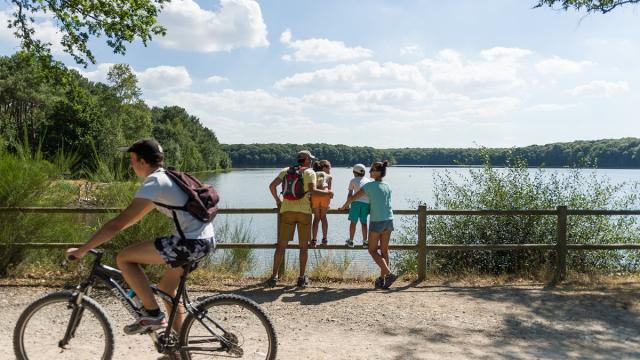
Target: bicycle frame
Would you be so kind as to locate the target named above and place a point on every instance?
(113, 278)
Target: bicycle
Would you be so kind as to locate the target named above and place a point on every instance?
(62, 325)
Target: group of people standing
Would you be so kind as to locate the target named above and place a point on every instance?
(307, 190)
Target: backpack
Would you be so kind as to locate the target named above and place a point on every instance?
(320, 179)
(293, 183)
(202, 199)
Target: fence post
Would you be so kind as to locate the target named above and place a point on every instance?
(422, 242)
(283, 264)
(561, 244)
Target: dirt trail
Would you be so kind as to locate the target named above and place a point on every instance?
(352, 321)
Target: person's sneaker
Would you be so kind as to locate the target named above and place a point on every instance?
(388, 280)
(349, 243)
(271, 282)
(365, 244)
(302, 282)
(379, 283)
(146, 323)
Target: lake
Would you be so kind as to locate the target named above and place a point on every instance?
(249, 188)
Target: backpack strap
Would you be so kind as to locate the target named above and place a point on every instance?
(175, 216)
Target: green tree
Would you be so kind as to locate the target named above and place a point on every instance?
(591, 6)
(119, 21)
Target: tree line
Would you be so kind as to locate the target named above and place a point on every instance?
(607, 153)
(50, 109)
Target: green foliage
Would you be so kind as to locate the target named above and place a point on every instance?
(591, 6)
(275, 155)
(517, 187)
(27, 180)
(188, 145)
(608, 153)
(55, 109)
(119, 21)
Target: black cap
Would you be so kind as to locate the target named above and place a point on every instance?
(148, 149)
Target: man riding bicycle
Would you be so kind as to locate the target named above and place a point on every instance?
(146, 158)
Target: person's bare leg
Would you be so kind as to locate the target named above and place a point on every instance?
(316, 221)
(278, 257)
(128, 261)
(325, 222)
(365, 231)
(373, 251)
(169, 284)
(352, 230)
(384, 246)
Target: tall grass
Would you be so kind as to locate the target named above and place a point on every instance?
(517, 187)
(28, 180)
(236, 261)
(329, 267)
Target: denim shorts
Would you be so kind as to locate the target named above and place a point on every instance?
(176, 251)
(381, 226)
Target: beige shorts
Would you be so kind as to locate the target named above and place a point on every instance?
(289, 221)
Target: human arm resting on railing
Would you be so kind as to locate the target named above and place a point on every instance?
(351, 198)
(129, 216)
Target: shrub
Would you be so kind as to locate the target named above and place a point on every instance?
(517, 187)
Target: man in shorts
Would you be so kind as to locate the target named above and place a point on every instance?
(146, 159)
(295, 214)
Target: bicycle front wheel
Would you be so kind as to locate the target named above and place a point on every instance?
(228, 326)
(54, 327)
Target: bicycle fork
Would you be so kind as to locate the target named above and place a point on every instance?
(76, 315)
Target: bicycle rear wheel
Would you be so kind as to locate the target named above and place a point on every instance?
(42, 328)
(228, 326)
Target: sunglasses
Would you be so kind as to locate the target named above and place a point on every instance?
(372, 170)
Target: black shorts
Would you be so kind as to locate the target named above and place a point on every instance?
(176, 251)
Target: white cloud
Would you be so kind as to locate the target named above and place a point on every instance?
(321, 50)
(559, 66)
(483, 108)
(412, 50)
(97, 75)
(497, 70)
(238, 23)
(236, 116)
(550, 107)
(369, 74)
(385, 102)
(216, 79)
(151, 80)
(164, 78)
(600, 88)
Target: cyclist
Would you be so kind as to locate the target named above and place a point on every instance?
(146, 158)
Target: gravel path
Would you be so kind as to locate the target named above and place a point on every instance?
(352, 321)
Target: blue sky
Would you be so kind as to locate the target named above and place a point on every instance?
(388, 73)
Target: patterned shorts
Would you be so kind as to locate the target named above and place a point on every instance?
(176, 251)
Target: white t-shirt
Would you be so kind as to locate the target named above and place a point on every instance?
(158, 187)
(356, 184)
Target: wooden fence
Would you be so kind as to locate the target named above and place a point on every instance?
(561, 247)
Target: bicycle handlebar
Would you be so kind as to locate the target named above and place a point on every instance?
(96, 253)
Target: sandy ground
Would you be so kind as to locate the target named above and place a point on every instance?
(425, 321)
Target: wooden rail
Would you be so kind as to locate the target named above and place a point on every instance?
(561, 246)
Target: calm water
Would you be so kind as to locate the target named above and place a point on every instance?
(249, 189)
